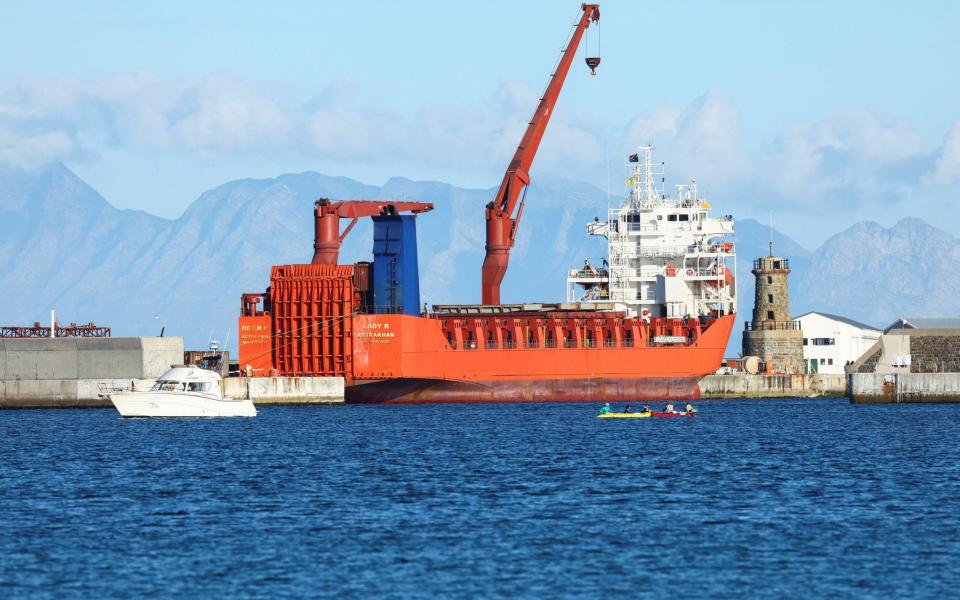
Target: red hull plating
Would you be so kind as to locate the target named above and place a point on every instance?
(403, 359)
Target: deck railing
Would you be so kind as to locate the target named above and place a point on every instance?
(771, 325)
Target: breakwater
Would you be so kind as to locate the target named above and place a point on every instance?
(89, 393)
(905, 388)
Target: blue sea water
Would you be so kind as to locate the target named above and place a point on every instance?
(760, 499)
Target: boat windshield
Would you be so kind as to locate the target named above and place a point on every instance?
(163, 385)
(180, 386)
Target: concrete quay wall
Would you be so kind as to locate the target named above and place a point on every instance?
(285, 390)
(62, 393)
(744, 385)
(86, 393)
(915, 388)
(41, 359)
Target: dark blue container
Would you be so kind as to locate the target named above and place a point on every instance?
(396, 278)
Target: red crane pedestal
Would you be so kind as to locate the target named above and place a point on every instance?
(501, 224)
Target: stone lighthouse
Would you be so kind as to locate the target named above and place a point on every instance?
(773, 335)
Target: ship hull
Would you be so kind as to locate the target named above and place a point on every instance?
(430, 391)
(415, 373)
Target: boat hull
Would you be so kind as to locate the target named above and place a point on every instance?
(410, 362)
(640, 415)
(165, 404)
(666, 415)
(428, 391)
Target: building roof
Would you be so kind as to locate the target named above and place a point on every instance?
(856, 324)
(919, 323)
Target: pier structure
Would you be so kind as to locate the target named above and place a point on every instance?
(773, 335)
(914, 361)
(78, 372)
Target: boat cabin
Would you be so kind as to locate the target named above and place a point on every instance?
(184, 379)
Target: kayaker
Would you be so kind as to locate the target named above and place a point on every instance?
(605, 409)
(628, 409)
(690, 409)
(669, 409)
(645, 408)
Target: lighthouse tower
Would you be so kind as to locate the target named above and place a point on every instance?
(773, 335)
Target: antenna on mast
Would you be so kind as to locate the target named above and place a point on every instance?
(771, 233)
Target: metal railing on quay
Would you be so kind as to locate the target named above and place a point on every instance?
(771, 325)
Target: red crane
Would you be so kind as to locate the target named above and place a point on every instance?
(501, 224)
(327, 214)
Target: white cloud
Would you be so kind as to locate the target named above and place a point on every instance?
(946, 168)
(28, 151)
(702, 140)
(222, 115)
(852, 150)
(854, 153)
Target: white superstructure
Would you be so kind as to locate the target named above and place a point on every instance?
(182, 392)
(666, 257)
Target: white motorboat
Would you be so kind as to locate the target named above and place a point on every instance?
(182, 392)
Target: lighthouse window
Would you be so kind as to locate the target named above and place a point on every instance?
(769, 315)
(770, 298)
(769, 279)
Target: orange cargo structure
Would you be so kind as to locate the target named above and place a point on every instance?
(256, 333)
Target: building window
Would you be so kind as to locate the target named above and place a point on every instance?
(769, 315)
(770, 298)
(804, 341)
(822, 361)
(824, 341)
(769, 279)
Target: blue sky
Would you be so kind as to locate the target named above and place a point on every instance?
(824, 112)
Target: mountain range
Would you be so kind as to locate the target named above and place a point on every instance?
(63, 245)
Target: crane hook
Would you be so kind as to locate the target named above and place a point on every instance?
(593, 62)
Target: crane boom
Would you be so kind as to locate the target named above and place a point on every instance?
(501, 222)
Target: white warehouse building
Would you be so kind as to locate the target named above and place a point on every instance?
(830, 342)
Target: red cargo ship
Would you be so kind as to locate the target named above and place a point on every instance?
(647, 325)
